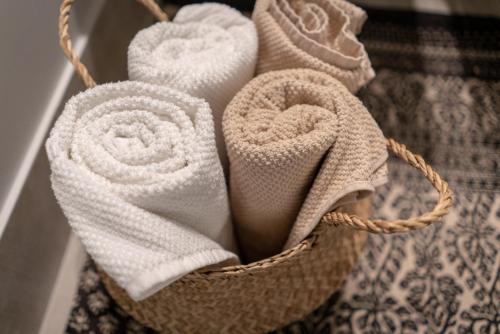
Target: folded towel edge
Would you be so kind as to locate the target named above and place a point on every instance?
(150, 282)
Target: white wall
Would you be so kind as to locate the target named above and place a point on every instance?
(35, 288)
(35, 80)
(32, 68)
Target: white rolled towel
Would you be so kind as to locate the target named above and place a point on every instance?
(209, 51)
(136, 172)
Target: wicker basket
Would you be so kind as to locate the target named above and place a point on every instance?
(271, 293)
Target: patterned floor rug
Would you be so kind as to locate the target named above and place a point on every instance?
(437, 89)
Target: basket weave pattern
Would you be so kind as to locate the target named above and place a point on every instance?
(257, 299)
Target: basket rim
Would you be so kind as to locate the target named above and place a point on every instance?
(305, 245)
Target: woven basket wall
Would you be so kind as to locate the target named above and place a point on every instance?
(255, 298)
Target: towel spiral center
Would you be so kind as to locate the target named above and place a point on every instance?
(321, 28)
(192, 45)
(288, 109)
(130, 139)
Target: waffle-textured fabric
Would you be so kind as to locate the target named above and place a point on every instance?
(299, 145)
(136, 172)
(208, 51)
(315, 34)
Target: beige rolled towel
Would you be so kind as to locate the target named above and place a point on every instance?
(299, 144)
(315, 34)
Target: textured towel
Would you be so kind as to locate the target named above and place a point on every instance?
(136, 172)
(315, 34)
(299, 145)
(208, 51)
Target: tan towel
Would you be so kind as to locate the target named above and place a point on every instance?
(299, 144)
(315, 34)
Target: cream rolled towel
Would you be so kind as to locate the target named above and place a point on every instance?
(299, 144)
(135, 170)
(315, 34)
(208, 51)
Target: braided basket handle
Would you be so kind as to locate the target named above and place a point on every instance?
(442, 207)
(65, 39)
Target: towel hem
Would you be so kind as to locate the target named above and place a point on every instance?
(148, 283)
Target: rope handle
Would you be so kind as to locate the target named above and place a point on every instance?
(65, 38)
(441, 209)
(334, 218)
